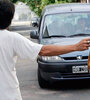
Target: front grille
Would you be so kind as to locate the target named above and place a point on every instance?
(75, 58)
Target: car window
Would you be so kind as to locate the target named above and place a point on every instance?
(66, 24)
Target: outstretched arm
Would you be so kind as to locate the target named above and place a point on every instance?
(53, 50)
(25, 48)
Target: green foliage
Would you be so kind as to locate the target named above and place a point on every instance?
(35, 6)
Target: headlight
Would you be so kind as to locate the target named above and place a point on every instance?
(52, 58)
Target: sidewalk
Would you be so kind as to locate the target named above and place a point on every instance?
(18, 23)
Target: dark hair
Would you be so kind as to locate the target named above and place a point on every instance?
(7, 10)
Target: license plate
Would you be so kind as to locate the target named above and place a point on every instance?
(80, 69)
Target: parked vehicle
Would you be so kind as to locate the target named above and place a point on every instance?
(63, 24)
(35, 21)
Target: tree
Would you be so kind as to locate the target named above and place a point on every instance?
(35, 6)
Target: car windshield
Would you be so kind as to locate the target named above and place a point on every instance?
(69, 24)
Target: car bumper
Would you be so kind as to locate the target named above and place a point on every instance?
(61, 71)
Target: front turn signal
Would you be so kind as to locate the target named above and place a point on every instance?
(89, 62)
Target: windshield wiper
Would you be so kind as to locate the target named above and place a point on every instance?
(79, 34)
(54, 36)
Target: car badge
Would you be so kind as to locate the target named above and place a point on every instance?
(79, 57)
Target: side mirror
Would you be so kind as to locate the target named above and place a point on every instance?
(33, 35)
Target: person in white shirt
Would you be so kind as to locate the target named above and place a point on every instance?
(12, 45)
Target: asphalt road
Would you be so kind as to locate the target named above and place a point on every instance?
(27, 75)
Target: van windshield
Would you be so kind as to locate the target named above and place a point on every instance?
(66, 24)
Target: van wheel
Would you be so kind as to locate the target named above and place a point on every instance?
(42, 83)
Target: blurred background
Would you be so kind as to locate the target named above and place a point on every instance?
(27, 11)
(37, 5)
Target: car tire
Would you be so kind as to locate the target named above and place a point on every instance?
(42, 83)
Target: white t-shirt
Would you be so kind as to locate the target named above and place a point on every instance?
(12, 44)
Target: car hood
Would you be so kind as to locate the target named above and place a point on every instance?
(67, 41)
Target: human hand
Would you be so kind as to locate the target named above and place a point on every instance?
(83, 45)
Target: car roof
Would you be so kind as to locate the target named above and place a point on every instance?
(69, 7)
